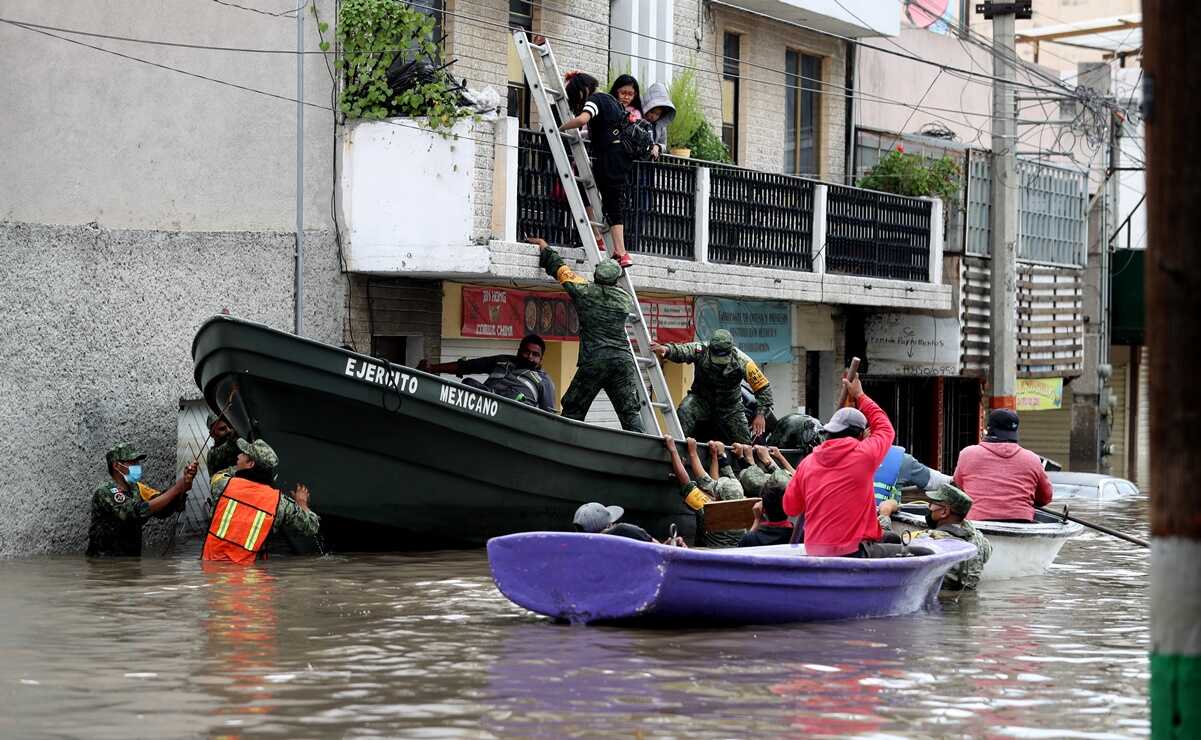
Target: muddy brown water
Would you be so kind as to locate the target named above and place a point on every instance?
(425, 646)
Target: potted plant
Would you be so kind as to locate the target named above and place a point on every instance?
(707, 145)
(909, 174)
(689, 116)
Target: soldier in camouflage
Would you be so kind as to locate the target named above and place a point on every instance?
(716, 393)
(797, 432)
(121, 505)
(258, 462)
(605, 361)
(224, 452)
(947, 518)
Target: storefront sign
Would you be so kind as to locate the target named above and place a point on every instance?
(1039, 394)
(761, 329)
(506, 313)
(912, 344)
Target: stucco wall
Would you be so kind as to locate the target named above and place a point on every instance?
(97, 348)
(93, 137)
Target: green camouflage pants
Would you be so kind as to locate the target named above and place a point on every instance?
(619, 379)
(730, 423)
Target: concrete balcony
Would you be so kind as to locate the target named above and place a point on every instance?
(854, 18)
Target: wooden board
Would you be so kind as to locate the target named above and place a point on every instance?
(736, 514)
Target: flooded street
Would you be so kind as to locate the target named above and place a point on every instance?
(424, 645)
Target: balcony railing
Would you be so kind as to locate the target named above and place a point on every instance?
(709, 212)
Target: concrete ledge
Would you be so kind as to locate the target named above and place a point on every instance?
(519, 261)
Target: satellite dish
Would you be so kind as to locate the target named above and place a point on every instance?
(925, 13)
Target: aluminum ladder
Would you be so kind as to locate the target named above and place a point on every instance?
(547, 89)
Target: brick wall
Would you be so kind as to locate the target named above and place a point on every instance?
(478, 39)
(761, 128)
(394, 306)
(578, 44)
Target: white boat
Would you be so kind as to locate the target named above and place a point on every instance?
(1018, 549)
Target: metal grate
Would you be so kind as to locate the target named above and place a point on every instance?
(760, 219)
(1052, 217)
(539, 211)
(662, 209)
(872, 234)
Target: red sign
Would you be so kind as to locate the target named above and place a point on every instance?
(506, 313)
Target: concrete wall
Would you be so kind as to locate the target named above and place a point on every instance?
(93, 137)
(97, 348)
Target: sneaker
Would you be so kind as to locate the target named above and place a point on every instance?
(626, 261)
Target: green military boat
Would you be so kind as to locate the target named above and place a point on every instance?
(400, 459)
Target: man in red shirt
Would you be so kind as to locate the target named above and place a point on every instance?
(1005, 480)
(832, 487)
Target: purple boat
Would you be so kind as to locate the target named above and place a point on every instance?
(585, 578)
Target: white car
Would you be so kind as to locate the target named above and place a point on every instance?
(1090, 486)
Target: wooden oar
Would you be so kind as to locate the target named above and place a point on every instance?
(1098, 527)
(851, 373)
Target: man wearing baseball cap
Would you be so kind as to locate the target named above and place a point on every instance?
(1005, 480)
(121, 505)
(832, 487)
(595, 518)
(949, 506)
(247, 507)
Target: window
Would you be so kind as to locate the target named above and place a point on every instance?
(640, 39)
(434, 8)
(731, 50)
(802, 98)
(521, 15)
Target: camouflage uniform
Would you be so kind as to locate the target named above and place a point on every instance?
(605, 361)
(716, 393)
(725, 488)
(289, 514)
(223, 456)
(119, 511)
(966, 574)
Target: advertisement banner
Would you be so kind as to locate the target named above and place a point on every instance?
(761, 329)
(507, 313)
(1039, 394)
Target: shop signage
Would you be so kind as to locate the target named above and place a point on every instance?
(912, 344)
(507, 313)
(1039, 394)
(761, 329)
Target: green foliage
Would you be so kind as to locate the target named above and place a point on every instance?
(707, 145)
(689, 115)
(909, 174)
(370, 33)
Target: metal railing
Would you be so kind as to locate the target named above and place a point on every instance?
(662, 214)
(541, 204)
(873, 234)
(760, 219)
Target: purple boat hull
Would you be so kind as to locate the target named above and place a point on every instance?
(584, 578)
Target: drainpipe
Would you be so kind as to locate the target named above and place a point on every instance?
(851, 156)
(299, 290)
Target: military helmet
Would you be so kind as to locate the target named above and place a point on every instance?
(260, 452)
(721, 347)
(607, 272)
(958, 501)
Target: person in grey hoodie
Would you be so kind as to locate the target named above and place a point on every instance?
(659, 111)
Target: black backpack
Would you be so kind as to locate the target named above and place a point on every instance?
(636, 137)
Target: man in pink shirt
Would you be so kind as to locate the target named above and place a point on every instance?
(1005, 480)
(832, 487)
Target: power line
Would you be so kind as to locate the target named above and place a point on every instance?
(282, 14)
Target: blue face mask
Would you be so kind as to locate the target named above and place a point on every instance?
(134, 475)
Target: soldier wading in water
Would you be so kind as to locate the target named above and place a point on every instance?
(605, 360)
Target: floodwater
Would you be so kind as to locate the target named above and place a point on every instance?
(424, 646)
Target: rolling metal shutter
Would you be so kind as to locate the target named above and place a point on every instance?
(1142, 447)
(1048, 433)
(1118, 420)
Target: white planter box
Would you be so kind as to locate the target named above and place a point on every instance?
(407, 198)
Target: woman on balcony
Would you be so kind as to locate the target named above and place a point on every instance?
(603, 115)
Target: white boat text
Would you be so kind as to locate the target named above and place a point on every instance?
(373, 373)
(468, 400)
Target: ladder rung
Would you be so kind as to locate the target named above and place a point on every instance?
(646, 360)
(600, 225)
(585, 181)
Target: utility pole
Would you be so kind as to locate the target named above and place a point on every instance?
(1002, 376)
(1172, 56)
(298, 305)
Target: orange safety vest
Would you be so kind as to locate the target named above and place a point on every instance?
(243, 518)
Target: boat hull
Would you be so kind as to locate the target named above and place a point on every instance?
(582, 578)
(1018, 550)
(399, 459)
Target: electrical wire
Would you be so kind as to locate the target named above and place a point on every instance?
(282, 14)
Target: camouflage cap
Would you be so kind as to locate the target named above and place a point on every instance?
(721, 346)
(727, 489)
(260, 452)
(123, 452)
(210, 420)
(607, 272)
(958, 501)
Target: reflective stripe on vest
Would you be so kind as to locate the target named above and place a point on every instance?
(884, 482)
(241, 522)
